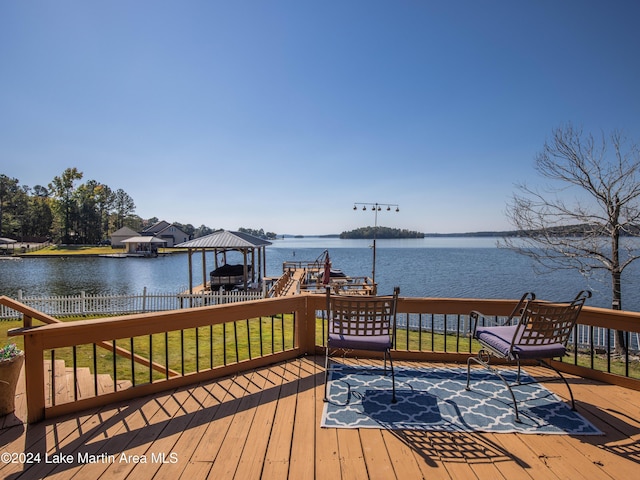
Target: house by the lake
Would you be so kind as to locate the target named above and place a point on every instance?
(119, 236)
(166, 231)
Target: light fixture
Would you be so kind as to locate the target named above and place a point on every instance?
(375, 207)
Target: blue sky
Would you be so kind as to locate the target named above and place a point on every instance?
(281, 114)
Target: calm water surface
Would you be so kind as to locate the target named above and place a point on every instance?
(433, 267)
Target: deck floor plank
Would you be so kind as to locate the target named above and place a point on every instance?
(482, 460)
(276, 464)
(553, 450)
(206, 451)
(610, 409)
(138, 433)
(326, 447)
(383, 463)
(237, 435)
(255, 448)
(302, 464)
(350, 450)
(63, 436)
(180, 413)
(118, 432)
(198, 409)
(419, 444)
(352, 464)
(515, 460)
(266, 424)
(210, 396)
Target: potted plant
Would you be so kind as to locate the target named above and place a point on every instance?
(11, 360)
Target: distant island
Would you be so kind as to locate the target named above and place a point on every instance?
(381, 232)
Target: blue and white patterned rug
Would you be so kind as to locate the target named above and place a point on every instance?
(436, 399)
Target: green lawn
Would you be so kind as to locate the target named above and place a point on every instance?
(217, 345)
(203, 347)
(70, 250)
(6, 325)
(74, 250)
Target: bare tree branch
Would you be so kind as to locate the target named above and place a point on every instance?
(585, 218)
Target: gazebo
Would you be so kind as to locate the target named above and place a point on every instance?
(224, 241)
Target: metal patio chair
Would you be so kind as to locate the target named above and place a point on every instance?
(361, 323)
(535, 330)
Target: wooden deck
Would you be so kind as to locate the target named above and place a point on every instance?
(265, 424)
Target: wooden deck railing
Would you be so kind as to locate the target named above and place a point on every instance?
(199, 344)
(278, 288)
(203, 343)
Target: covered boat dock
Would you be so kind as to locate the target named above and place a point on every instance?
(253, 250)
(143, 246)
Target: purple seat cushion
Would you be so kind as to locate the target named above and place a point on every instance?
(499, 339)
(378, 343)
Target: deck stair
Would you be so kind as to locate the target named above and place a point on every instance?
(84, 383)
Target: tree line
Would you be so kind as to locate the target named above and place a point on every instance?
(260, 233)
(66, 211)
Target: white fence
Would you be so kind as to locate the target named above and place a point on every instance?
(598, 337)
(86, 304)
(105, 305)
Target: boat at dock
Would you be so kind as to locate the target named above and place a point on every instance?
(229, 276)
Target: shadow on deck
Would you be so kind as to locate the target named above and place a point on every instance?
(265, 423)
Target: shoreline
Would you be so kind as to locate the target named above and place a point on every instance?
(87, 251)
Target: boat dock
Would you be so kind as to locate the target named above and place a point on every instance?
(301, 279)
(248, 276)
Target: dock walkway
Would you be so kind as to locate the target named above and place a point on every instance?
(295, 282)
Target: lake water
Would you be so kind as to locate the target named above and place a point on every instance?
(430, 267)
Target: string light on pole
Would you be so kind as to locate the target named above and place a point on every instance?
(376, 207)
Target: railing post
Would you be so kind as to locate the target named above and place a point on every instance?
(34, 377)
(144, 300)
(306, 326)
